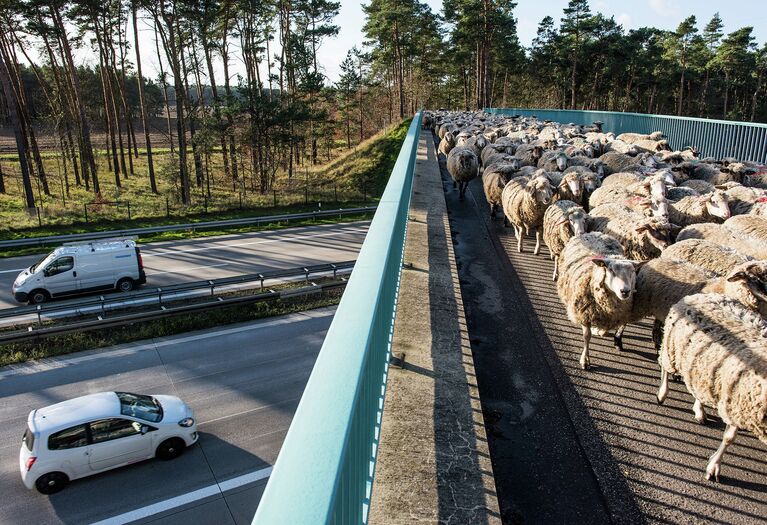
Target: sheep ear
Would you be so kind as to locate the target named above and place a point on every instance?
(721, 187)
(737, 276)
(599, 261)
(642, 228)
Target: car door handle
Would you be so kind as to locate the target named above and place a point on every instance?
(74, 274)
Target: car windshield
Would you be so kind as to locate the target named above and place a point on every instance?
(28, 439)
(41, 263)
(142, 407)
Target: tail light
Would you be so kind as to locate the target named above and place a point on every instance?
(30, 462)
(140, 260)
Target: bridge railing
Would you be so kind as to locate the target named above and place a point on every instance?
(324, 471)
(714, 138)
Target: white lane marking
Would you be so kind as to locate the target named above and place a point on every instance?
(188, 269)
(147, 253)
(32, 367)
(11, 271)
(189, 497)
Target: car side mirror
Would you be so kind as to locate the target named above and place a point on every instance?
(144, 429)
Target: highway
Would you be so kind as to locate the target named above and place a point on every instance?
(243, 382)
(224, 256)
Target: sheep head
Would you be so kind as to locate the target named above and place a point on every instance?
(561, 160)
(619, 276)
(658, 232)
(590, 181)
(656, 135)
(573, 182)
(539, 188)
(577, 219)
(747, 282)
(655, 185)
(716, 204)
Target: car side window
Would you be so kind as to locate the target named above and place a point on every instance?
(109, 429)
(69, 438)
(60, 265)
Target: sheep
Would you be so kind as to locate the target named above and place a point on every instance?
(568, 185)
(719, 348)
(720, 234)
(652, 206)
(524, 202)
(624, 148)
(631, 138)
(463, 166)
(596, 285)
(709, 173)
(656, 184)
(700, 186)
(703, 208)
(680, 192)
(607, 193)
(498, 158)
(709, 255)
(750, 225)
(553, 161)
(529, 154)
(759, 208)
(492, 149)
(742, 199)
(615, 162)
(494, 179)
(651, 146)
(562, 221)
(446, 144)
(642, 237)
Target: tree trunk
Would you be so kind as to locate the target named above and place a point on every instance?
(142, 104)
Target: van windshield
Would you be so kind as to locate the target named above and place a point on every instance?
(42, 263)
(142, 407)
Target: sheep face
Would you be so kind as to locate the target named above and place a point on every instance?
(750, 279)
(588, 150)
(577, 219)
(657, 231)
(619, 276)
(659, 207)
(656, 186)
(667, 175)
(537, 153)
(540, 189)
(717, 205)
(561, 161)
(590, 182)
(599, 169)
(573, 183)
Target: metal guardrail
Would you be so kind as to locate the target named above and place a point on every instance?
(58, 239)
(145, 296)
(325, 469)
(714, 138)
(120, 320)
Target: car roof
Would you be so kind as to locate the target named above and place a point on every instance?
(74, 411)
(95, 247)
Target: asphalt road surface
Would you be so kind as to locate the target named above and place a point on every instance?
(225, 256)
(574, 446)
(243, 382)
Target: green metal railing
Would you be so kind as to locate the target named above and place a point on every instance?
(714, 138)
(325, 469)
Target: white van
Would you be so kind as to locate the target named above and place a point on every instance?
(78, 268)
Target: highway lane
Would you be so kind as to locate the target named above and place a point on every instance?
(228, 255)
(243, 382)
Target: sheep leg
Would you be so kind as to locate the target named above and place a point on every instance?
(618, 338)
(663, 388)
(713, 467)
(505, 221)
(520, 236)
(584, 361)
(493, 209)
(657, 334)
(699, 411)
(537, 242)
(556, 267)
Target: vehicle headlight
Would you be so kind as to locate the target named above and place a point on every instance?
(186, 422)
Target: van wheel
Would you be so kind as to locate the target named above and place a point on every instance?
(124, 285)
(51, 483)
(38, 296)
(170, 449)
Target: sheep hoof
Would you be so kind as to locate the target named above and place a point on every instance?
(585, 364)
(618, 342)
(659, 400)
(701, 420)
(712, 470)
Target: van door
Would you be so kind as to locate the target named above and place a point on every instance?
(95, 272)
(116, 442)
(60, 276)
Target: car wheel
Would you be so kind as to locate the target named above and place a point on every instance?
(170, 449)
(38, 296)
(51, 483)
(124, 285)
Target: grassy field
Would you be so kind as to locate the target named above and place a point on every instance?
(354, 177)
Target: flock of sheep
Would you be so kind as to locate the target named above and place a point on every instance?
(637, 230)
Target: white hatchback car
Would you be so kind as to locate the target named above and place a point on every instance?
(98, 432)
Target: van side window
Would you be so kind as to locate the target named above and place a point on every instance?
(70, 438)
(109, 429)
(60, 265)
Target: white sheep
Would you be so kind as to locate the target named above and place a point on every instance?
(751, 225)
(596, 285)
(562, 221)
(632, 138)
(718, 233)
(713, 257)
(524, 202)
(719, 347)
(642, 237)
(702, 208)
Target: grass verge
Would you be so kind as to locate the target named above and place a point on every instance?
(75, 342)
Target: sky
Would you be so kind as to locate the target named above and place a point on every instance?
(663, 14)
